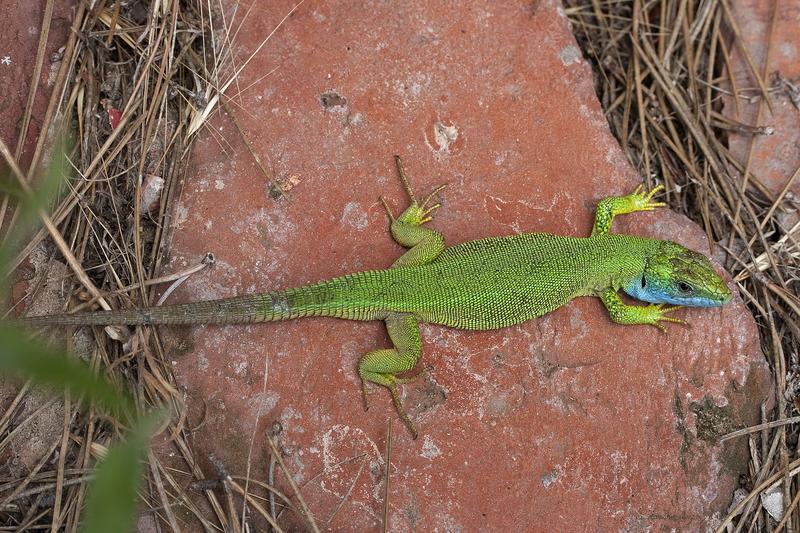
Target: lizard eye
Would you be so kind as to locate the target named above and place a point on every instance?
(684, 288)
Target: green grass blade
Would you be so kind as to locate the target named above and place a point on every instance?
(27, 359)
(112, 500)
(29, 205)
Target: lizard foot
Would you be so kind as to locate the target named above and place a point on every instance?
(390, 382)
(417, 213)
(657, 313)
(643, 201)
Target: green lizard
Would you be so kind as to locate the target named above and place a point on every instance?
(480, 285)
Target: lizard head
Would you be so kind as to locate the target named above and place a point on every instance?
(678, 276)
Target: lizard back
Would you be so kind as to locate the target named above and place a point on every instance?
(496, 282)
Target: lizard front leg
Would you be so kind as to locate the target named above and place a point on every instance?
(425, 244)
(382, 366)
(612, 206)
(652, 314)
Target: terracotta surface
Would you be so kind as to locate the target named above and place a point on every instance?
(567, 422)
(776, 157)
(22, 23)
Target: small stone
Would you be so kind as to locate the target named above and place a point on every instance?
(772, 501)
(151, 193)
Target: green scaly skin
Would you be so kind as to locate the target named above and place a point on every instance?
(480, 285)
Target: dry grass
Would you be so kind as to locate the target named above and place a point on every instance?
(662, 70)
(137, 81)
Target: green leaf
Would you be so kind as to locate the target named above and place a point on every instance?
(47, 187)
(30, 205)
(28, 359)
(111, 500)
(11, 187)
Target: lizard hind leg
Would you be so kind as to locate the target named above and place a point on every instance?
(382, 366)
(424, 243)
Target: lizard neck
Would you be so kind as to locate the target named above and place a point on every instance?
(618, 261)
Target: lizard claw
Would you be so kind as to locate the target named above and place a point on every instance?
(387, 208)
(430, 196)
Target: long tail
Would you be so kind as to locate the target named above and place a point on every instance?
(334, 297)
